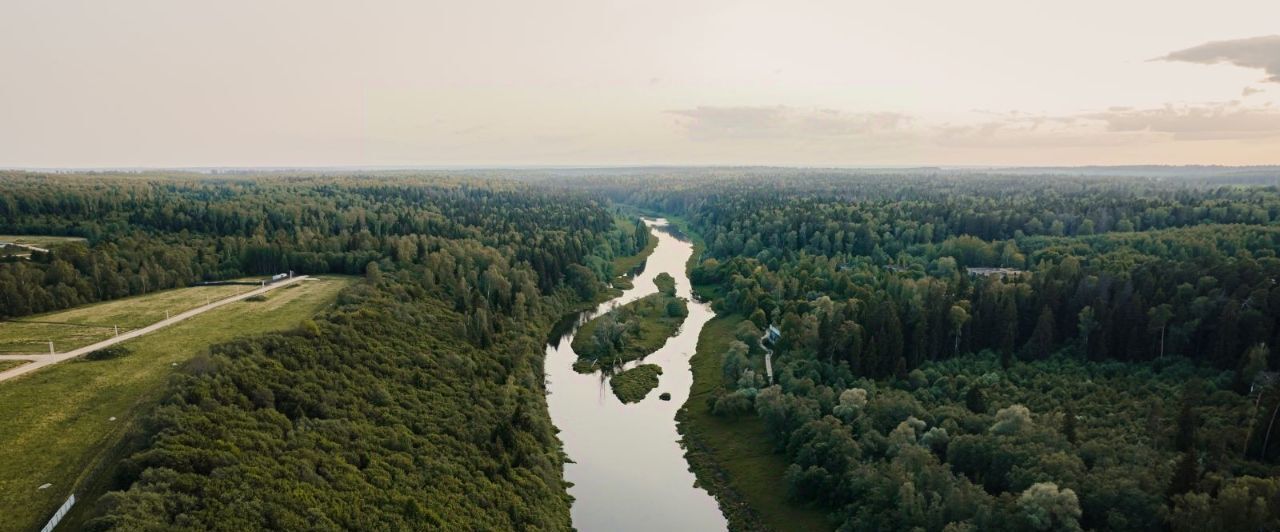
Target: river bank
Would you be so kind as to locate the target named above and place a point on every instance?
(733, 458)
(627, 467)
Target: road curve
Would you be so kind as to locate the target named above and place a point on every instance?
(40, 361)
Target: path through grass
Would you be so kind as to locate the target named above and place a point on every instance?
(81, 326)
(58, 427)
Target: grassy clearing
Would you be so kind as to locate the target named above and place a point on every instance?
(631, 332)
(631, 386)
(10, 364)
(733, 457)
(81, 326)
(40, 240)
(58, 429)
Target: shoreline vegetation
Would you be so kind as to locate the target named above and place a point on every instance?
(732, 457)
(629, 332)
(633, 385)
(622, 268)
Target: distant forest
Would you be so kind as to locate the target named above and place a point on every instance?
(997, 352)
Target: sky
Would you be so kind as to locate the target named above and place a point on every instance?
(179, 83)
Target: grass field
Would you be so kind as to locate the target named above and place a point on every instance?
(40, 240)
(734, 458)
(10, 364)
(58, 425)
(81, 326)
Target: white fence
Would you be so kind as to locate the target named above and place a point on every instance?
(62, 512)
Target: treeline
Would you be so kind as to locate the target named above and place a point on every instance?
(148, 233)
(1186, 276)
(1130, 323)
(1107, 301)
(417, 404)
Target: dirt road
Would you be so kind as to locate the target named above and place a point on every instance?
(40, 361)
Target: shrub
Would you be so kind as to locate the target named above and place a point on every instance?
(108, 353)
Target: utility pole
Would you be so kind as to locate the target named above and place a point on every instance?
(51, 347)
(166, 314)
(117, 330)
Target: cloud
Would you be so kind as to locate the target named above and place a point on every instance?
(1023, 130)
(782, 122)
(1255, 52)
(1205, 121)
(1115, 126)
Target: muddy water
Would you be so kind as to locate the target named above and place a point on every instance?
(628, 470)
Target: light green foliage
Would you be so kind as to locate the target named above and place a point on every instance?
(852, 401)
(1045, 507)
(1011, 420)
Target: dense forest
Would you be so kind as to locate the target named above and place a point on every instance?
(956, 352)
(148, 234)
(1000, 352)
(417, 403)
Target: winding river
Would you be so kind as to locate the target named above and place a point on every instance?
(627, 467)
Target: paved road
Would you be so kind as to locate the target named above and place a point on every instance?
(40, 361)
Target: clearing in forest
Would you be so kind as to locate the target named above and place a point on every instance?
(66, 424)
(81, 326)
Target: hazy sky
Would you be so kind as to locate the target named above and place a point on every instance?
(557, 82)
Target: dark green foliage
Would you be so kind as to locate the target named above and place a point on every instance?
(152, 232)
(1069, 421)
(108, 353)
(1117, 293)
(975, 400)
(666, 283)
(632, 385)
(628, 332)
(417, 404)
(1190, 275)
(379, 424)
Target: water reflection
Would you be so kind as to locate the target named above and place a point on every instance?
(628, 471)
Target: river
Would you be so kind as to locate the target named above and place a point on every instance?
(627, 467)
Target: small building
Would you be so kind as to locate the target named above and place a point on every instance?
(995, 272)
(773, 334)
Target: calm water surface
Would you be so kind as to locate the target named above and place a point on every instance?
(628, 470)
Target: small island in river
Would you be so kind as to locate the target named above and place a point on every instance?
(632, 385)
(631, 331)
